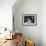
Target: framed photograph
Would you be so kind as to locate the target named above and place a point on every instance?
(29, 19)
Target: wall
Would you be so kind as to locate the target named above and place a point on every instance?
(43, 22)
(6, 13)
(28, 7)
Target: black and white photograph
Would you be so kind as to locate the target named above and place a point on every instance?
(29, 19)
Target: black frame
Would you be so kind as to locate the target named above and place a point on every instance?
(29, 16)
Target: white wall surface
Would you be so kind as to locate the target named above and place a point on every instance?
(29, 7)
(6, 13)
(43, 22)
(36, 33)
